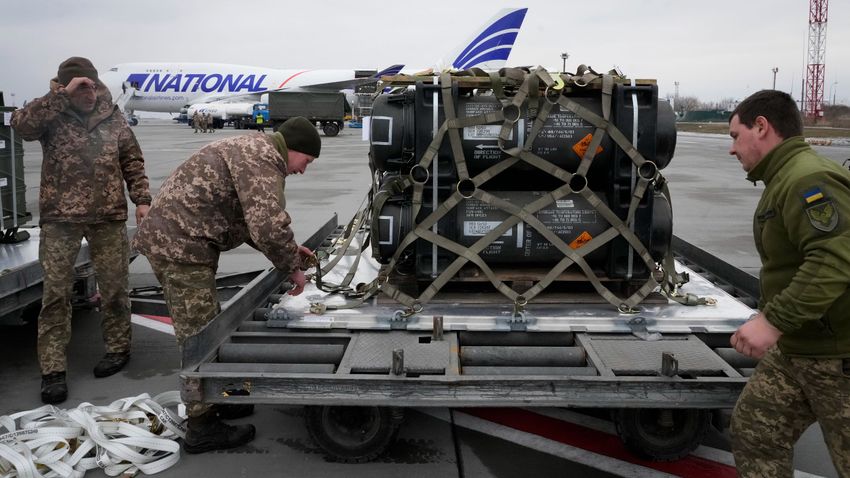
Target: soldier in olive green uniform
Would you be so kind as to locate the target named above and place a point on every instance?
(802, 233)
(89, 153)
(228, 193)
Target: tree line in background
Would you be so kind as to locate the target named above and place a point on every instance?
(833, 115)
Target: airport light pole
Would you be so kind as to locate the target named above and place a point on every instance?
(834, 83)
(774, 70)
(13, 99)
(564, 57)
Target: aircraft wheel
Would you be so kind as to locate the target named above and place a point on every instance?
(353, 434)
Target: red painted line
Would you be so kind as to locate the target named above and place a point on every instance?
(597, 442)
(291, 77)
(158, 318)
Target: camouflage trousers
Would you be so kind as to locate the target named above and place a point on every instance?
(57, 252)
(783, 397)
(190, 293)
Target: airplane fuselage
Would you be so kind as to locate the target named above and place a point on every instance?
(168, 87)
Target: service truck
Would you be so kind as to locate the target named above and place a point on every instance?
(325, 109)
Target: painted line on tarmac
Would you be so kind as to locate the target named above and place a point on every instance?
(545, 445)
(599, 443)
(590, 441)
(155, 322)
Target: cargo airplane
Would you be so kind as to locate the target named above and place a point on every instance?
(172, 87)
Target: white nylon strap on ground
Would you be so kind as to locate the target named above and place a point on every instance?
(128, 436)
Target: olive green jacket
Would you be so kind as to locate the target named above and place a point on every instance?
(802, 233)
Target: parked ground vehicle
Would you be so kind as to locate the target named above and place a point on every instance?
(250, 121)
(324, 109)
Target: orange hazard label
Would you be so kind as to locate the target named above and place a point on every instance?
(581, 147)
(581, 240)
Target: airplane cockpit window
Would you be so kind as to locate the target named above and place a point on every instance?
(114, 68)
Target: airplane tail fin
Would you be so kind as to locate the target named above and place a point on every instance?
(489, 47)
(389, 71)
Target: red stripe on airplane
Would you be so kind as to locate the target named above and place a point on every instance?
(597, 442)
(291, 77)
(158, 318)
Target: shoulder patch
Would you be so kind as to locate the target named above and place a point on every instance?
(823, 216)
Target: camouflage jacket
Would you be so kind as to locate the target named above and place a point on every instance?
(228, 193)
(802, 233)
(86, 159)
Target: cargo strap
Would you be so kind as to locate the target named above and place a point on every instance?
(131, 435)
(354, 228)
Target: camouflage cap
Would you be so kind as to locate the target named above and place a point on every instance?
(74, 67)
(300, 135)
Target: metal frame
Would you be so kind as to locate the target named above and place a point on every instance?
(453, 388)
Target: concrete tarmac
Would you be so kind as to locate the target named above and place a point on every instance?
(713, 205)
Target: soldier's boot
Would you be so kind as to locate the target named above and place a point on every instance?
(53, 388)
(207, 433)
(111, 364)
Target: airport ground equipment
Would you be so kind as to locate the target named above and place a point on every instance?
(13, 204)
(322, 108)
(564, 292)
(666, 371)
(249, 121)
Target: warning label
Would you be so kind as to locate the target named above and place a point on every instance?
(581, 240)
(581, 147)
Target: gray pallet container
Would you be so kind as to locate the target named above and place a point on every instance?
(12, 186)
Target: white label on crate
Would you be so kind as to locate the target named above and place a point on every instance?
(481, 228)
(7, 117)
(4, 182)
(2, 144)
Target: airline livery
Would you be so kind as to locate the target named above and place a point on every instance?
(172, 87)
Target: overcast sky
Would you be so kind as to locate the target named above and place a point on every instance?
(715, 49)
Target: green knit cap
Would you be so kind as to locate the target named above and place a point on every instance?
(300, 135)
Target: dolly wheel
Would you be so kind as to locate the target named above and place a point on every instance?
(353, 434)
(662, 434)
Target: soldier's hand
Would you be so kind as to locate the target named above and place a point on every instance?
(79, 82)
(308, 259)
(755, 337)
(298, 280)
(141, 212)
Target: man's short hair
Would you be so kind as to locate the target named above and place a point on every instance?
(777, 107)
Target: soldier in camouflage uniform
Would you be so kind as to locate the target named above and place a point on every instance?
(802, 234)
(89, 153)
(196, 121)
(228, 193)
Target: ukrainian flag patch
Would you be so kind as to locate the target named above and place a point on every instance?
(812, 195)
